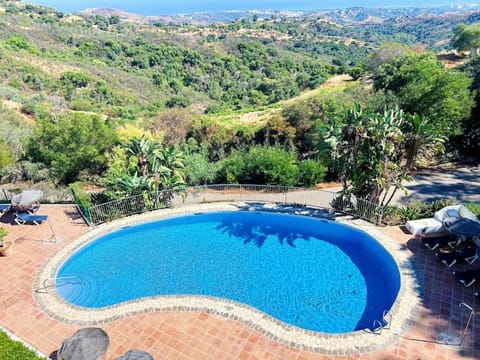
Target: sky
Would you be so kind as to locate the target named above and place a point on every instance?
(164, 7)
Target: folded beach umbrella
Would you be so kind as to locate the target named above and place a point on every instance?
(85, 344)
(26, 199)
(136, 355)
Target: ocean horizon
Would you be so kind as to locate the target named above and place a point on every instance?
(149, 7)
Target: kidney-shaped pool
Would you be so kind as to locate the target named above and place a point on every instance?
(315, 274)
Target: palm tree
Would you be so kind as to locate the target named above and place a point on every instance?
(171, 158)
(158, 168)
(144, 151)
(420, 137)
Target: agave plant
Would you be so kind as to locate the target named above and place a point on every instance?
(132, 184)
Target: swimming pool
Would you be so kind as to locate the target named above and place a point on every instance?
(314, 274)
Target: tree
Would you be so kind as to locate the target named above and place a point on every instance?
(387, 53)
(419, 137)
(6, 157)
(75, 144)
(364, 151)
(114, 20)
(172, 123)
(374, 151)
(467, 37)
(75, 79)
(470, 140)
(144, 151)
(168, 170)
(277, 132)
(260, 165)
(157, 168)
(311, 172)
(198, 170)
(423, 86)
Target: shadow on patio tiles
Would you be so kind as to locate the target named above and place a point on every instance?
(8, 218)
(444, 319)
(73, 214)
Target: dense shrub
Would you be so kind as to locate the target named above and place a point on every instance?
(6, 157)
(74, 144)
(76, 79)
(260, 165)
(311, 172)
(474, 208)
(198, 170)
(394, 215)
(35, 172)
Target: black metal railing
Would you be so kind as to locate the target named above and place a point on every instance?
(324, 199)
(129, 206)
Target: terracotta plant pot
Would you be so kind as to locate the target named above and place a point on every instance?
(7, 249)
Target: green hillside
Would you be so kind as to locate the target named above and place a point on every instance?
(256, 100)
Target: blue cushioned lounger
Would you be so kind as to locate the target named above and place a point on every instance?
(4, 208)
(24, 217)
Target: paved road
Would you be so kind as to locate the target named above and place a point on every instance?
(462, 184)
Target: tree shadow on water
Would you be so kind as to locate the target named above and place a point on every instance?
(257, 233)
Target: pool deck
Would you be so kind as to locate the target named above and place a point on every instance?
(198, 335)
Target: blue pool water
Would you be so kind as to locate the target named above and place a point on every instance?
(315, 274)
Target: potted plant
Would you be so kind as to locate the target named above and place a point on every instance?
(5, 247)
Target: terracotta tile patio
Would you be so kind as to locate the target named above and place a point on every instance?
(190, 335)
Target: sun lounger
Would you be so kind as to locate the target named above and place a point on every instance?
(424, 226)
(468, 255)
(438, 223)
(433, 243)
(4, 208)
(454, 211)
(469, 277)
(23, 218)
(35, 207)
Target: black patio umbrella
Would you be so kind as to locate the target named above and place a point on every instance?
(85, 344)
(135, 355)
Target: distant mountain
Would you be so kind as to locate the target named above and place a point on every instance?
(124, 15)
(355, 16)
(197, 18)
(129, 66)
(361, 16)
